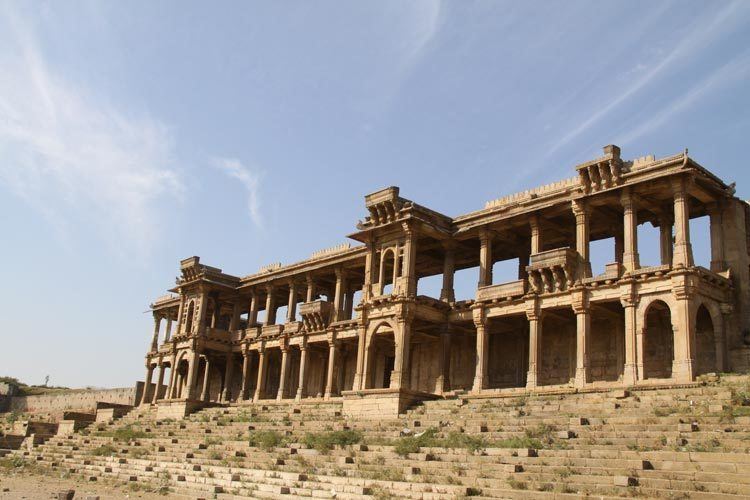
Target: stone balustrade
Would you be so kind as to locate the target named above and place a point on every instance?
(316, 315)
(271, 330)
(502, 291)
(552, 271)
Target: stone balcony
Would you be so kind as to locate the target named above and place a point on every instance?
(271, 331)
(553, 270)
(316, 315)
(503, 291)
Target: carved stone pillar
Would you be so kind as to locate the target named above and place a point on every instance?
(665, 238)
(172, 376)
(260, 385)
(206, 380)
(252, 315)
(349, 303)
(583, 333)
(480, 372)
(338, 298)
(159, 383)
(245, 375)
(630, 259)
(332, 348)
(284, 372)
(180, 313)
(683, 250)
(409, 265)
(302, 371)
(202, 312)
(718, 264)
(534, 315)
(633, 366)
(291, 309)
(400, 374)
(360, 369)
(226, 393)
(683, 315)
(485, 258)
(155, 337)
(536, 234)
(168, 333)
(310, 294)
(369, 270)
(147, 384)
(720, 337)
(582, 213)
(270, 306)
(191, 382)
(443, 381)
(447, 294)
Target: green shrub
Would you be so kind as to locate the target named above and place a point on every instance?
(126, 433)
(103, 450)
(266, 440)
(325, 441)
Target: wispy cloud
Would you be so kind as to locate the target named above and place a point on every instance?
(249, 179)
(705, 31)
(74, 156)
(737, 70)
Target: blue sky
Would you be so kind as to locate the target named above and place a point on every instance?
(134, 134)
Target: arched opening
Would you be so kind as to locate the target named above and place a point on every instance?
(705, 342)
(387, 266)
(658, 341)
(189, 317)
(380, 358)
(558, 363)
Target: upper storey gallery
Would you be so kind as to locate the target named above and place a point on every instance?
(546, 230)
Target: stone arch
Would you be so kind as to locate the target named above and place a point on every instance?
(707, 323)
(387, 271)
(380, 354)
(189, 317)
(658, 339)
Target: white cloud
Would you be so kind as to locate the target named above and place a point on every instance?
(75, 157)
(250, 180)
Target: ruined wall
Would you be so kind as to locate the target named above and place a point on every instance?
(607, 349)
(424, 367)
(508, 359)
(75, 400)
(463, 359)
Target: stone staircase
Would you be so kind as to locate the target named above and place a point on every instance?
(690, 441)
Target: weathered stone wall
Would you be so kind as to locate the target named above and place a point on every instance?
(74, 400)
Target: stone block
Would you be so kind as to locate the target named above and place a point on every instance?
(66, 495)
(625, 481)
(687, 427)
(345, 460)
(565, 435)
(526, 452)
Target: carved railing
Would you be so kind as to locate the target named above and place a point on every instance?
(501, 291)
(271, 330)
(316, 315)
(553, 270)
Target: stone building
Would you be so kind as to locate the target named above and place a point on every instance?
(350, 322)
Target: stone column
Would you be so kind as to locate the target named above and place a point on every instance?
(302, 370)
(291, 309)
(630, 259)
(447, 294)
(180, 312)
(159, 383)
(534, 315)
(331, 366)
(359, 373)
(168, 332)
(483, 341)
(718, 264)
(349, 303)
(270, 306)
(155, 338)
(245, 375)
(523, 262)
(633, 366)
(683, 250)
(284, 372)
(369, 270)
(202, 311)
(206, 380)
(338, 297)
(252, 315)
(216, 316)
(310, 295)
(581, 308)
(147, 384)
(172, 376)
(234, 322)
(485, 258)
(409, 265)
(192, 374)
(720, 337)
(684, 329)
(226, 394)
(536, 234)
(665, 238)
(582, 214)
(260, 385)
(400, 374)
